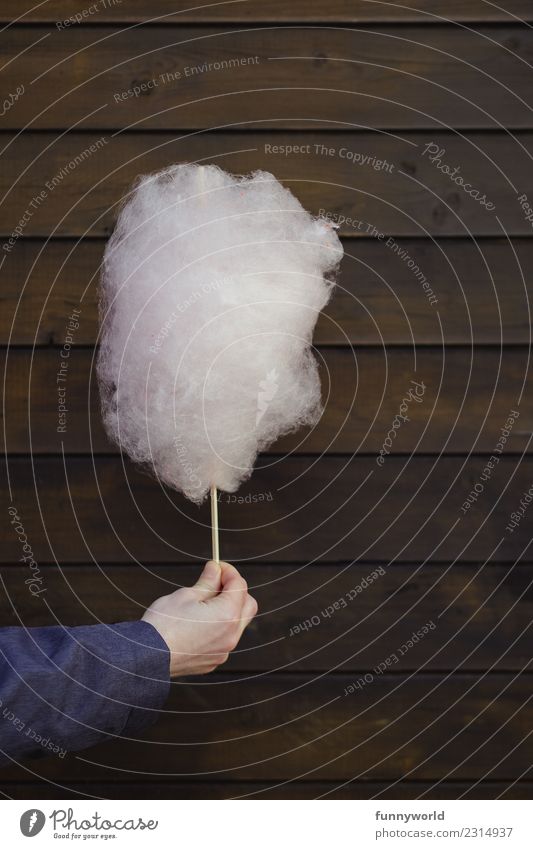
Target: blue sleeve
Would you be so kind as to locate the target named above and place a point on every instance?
(64, 689)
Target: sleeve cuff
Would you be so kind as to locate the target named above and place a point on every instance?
(150, 672)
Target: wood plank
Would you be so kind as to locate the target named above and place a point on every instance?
(266, 11)
(189, 78)
(466, 397)
(262, 790)
(321, 509)
(414, 199)
(482, 293)
(350, 618)
(294, 727)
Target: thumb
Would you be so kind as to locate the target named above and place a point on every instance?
(208, 584)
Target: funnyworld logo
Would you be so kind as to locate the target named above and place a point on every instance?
(32, 822)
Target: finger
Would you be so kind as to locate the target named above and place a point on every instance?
(209, 583)
(248, 612)
(234, 590)
(233, 583)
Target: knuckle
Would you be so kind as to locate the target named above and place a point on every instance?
(218, 660)
(230, 637)
(235, 641)
(229, 642)
(230, 627)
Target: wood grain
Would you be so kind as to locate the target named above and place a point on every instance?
(184, 77)
(414, 199)
(302, 87)
(482, 293)
(320, 509)
(465, 398)
(350, 618)
(295, 727)
(266, 11)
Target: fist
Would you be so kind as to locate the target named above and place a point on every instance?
(202, 624)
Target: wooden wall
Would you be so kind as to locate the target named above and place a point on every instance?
(451, 716)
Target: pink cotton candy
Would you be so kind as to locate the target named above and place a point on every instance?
(211, 288)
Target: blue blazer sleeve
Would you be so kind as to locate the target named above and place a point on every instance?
(63, 689)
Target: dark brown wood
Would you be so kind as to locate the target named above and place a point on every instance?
(292, 715)
(465, 398)
(295, 727)
(266, 11)
(482, 293)
(329, 508)
(350, 618)
(184, 77)
(414, 199)
(261, 790)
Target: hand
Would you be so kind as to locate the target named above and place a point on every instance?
(202, 624)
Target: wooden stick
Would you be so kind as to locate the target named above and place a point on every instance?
(214, 525)
(214, 495)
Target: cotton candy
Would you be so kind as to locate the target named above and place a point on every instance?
(211, 287)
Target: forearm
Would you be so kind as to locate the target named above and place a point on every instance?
(65, 689)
